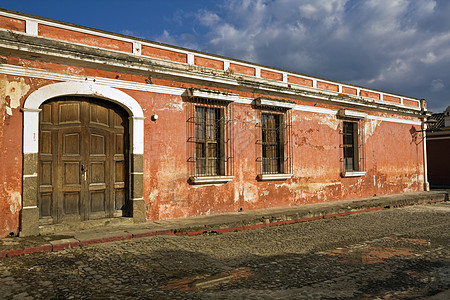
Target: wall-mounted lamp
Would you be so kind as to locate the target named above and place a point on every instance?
(415, 133)
(154, 117)
(428, 122)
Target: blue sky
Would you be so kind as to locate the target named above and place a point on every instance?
(398, 46)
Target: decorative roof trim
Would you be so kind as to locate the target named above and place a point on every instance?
(154, 88)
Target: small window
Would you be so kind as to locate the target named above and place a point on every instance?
(352, 145)
(272, 143)
(209, 158)
(210, 141)
(274, 139)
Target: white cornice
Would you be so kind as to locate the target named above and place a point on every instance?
(153, 88)
(116, 83)
(212, 94)
(261, 101)
(353, 114)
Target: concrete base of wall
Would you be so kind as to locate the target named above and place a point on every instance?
(30, 221)
(139, 211)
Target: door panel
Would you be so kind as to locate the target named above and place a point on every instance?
(71, 204)
(45, 205)
(120, 162)
(99, 115)
(69, 112)
(98, 201)
(99, 161)
(46, 166)
(98, 145)
(83, 160)
(71, 144)
(71, 173)
(69, 186)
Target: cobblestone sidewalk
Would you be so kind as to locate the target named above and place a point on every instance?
(388, 254)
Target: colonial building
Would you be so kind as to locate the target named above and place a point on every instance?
(95, 125)
(438, 145)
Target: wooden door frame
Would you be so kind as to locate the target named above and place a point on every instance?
(29, 219)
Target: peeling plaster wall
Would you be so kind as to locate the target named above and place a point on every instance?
(12, 94)
(393, 159)
(316, 166)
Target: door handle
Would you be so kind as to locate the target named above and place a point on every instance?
(83, 170)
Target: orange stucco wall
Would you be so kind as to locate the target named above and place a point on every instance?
(164, 54)
(391, 99)
(410, 103)
(84, 38)
(209, 63)
(12, 24)
(370, 95)
(242, 69)
(327, 86)
(393, 162)
(350, 91)
(299, 80)
(271, 75)
(316, 164)
(13, 90)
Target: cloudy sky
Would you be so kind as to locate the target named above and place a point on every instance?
(398, 46)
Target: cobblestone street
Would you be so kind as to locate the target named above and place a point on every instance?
(391, 254)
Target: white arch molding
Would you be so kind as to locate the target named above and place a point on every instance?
(34, 101)
(30, 211)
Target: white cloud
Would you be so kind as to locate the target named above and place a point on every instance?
(132, 33)
(400, 46)
(429, 58)
(437, 85)
(185, 40)
(166, 38)
(208, 18)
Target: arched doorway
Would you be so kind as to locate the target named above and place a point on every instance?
(83, 160)
(31, 183)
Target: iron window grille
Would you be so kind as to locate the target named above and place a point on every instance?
(353, 157)
(210, 137)
(274, 141)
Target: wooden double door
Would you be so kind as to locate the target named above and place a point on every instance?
(83, 160)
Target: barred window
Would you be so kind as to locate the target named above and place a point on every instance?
(274, 141)
(350, 146)
(210, 142)
(352, 143)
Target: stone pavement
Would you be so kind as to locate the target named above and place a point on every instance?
(64, 236)
(399, 253)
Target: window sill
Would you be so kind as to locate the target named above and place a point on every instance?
(353, 174)
(209, 179)
(267, 177)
